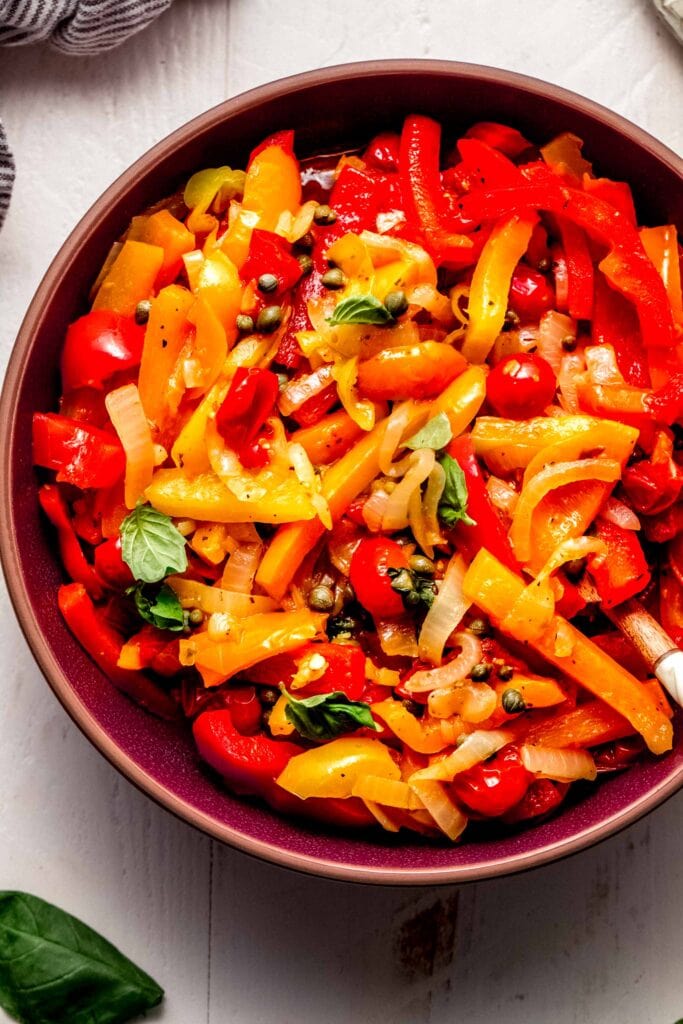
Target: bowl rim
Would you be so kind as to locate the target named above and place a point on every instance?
(12, 567)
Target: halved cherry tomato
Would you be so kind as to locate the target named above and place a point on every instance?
(370, 579)
(110, 565)
(542, 797)
(410, 371)
(531, 294)
(382, 151)
(99, 345)
(246, 710)
(496, 785)
(521, 386)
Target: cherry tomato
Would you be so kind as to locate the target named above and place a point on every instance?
(531, 294)
(520, 386)
(369, 577)
(410, 371)
(619, 754)
(382, 151)
(496, 785)
(246, 710)
(99, 345)
(541, 797)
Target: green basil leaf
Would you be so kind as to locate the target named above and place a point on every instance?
(360, 309)
(453, 504)
(327, 715)
(435, 434)
(151, 546)
(160, 607)
(56, 970)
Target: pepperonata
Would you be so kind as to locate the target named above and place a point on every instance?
(338, 443)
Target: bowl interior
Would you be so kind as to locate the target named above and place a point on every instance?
(330, 110)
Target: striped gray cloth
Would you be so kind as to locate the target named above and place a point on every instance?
(77, 27)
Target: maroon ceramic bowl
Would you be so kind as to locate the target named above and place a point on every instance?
(330, 110)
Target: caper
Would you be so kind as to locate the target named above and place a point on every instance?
(321, 598)
(480, 672)
(513, 702)
(422, 565)
(269, 696)
(244, 323)
(269, 319)
(348, 593)
(543, 264)
(306, 263)
(511, 318)
(479, 627)
(402, 581)
(505, 673)
(342, 626)
(305, 243)
(324, 214)
(196, 617)
(396, 302)
(333, 278)
(267, 283)
(575, 569)
(569, 343)
(265, 718)
(411, 598)
(413, 707)
(142, 311)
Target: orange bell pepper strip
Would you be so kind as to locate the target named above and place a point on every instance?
(210, 344)
(422, 735)
(166, 335)
(491, 283)
(170, 234)
(328, 439)
(272, 186)
(587, 725)
(218, 282)
(661, 245)
(356, 470)
(131, 278)
(495, 589)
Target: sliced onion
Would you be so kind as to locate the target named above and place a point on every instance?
(299, 390)
(445, 615)
(374, 509)
(430, 503)
(553, 329)
(473, 702)
(130, 423)
(193, 594)
(570, 367)
(453, 671)
(601, 362)
(396, 513)
(306, 475)
(388, 221)
(615, 511)
(391, 439)
(560, 764)
(397, 636)
(475, 748)
(434, 302)
(385, 249)
(381, 816)
(341, 548)
(502, 494)
(241, 567)
(443, 809)
(293, 227)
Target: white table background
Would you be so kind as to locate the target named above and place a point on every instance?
(594, 940)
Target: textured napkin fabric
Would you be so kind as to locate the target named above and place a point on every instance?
(77, 27)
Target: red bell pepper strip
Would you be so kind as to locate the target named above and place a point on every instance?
(500, 136)
(314, 408)
(626, 265)
(86, 520)
(579, 269)
(269, 254)
(110, 564)
(382, 152)
(666, 404)
(247, 405)
(488, 531)
(245, 709)
(652, 486)
(617, 193)
(665, 525)
(99, 345)
(614, 323)
(77, 566)
(359, 195)
(345, 670)
(284, 139)
(624, 572)
(104, 644)
(425, 205)
(487, 166)
(82, 455)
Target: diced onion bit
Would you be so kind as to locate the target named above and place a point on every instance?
(441, 806)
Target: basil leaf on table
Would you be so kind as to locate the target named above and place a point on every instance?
(453, 505)
(327, 715)
(360, 309)
(161, 607)
(151, 546)
(435, 434)
(56, 970)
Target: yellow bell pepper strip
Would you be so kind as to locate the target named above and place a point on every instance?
(218, 282)
(329, 438)
(170, 234)
(535, 691)
(530, 529)
(206, 186)
(507, 445)
(494, 589)
(563, 155)
(356, 470)
(387, 792)
(193, 594)
(272, 185)
(206, 498)
(130, 279)
(661, 245)
(166, 334)
(491, 283)
(422, 735)
(256, 638)
(210, 345)
(333, 769)
(613, 440)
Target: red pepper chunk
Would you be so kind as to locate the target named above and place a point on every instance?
(484, 165)
(615, 323)
(247, 405)
(495, 786)
(103, 644)
(110, 564)
(579, 269)
(269, 254)
(73, 559)
(500, 136)
(652, 487)
(345, 670)
(315, 407)
(99, 345)
(82, 455)
(382, 152)
(624, 572)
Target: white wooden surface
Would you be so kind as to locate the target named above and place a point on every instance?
(594, 940)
